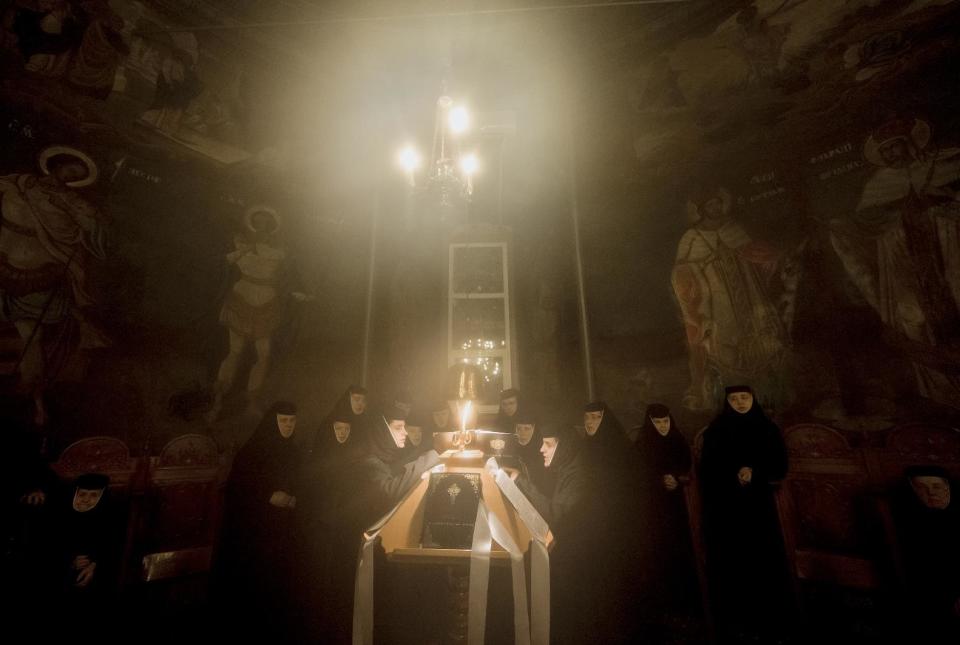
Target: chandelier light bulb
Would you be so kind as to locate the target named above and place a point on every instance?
(409, 158)
(469, 164)
(458, 120)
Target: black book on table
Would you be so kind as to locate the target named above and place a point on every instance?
(451, 510)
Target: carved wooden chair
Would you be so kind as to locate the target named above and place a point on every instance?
(183, 509)
(824, 509)
(918, 443)
(109, 456)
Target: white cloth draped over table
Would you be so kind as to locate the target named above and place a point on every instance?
(532, 630)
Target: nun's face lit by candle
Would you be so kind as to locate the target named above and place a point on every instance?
(662, 424)
(358, 403)
(740, 401)
(415, 434)
(342, 431)
(398, 431)
(509, 406)
(86, 499)
(524, 433)
(286, 423)
(548, 450)
(591, 421)
(441, 418)
(933, 492)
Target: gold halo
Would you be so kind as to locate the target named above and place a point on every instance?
(92, 171)
(919, 135)
(260, 208)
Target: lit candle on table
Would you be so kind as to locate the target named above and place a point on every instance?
(464, 415)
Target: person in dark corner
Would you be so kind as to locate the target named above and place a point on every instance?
(253, 574)
(85, 542)
(743, 454)
(928, 527)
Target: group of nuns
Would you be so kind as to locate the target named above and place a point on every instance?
(295, 512)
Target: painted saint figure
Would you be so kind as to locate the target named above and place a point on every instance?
(721, 279)
(254, 306)
(902, 249)
(48, 235)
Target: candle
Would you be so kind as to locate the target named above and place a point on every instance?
(464, 439)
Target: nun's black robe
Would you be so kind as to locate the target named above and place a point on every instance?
(329, 529)
(563, 506)
(745, 556)
(385, 476)
(669, 576)
(253, 575)
(92, 534)
(617, 520)
(532, 460)
(930, 546)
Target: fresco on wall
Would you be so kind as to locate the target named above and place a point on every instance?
(123, 67)
(728, 287)
(833, 127)
(815, 141)
(256, 304)
(49, 236)
(901, 247)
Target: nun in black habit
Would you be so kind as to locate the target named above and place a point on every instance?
(510, 405)
(529, 442)
(743, 454)
(442, 419)
(665, 463)
(388, 470)
(83, 540)
(254, 569)
(617, 517)
(419, 435)
(563, 505)
(928, 528)
(354, 403)
(329, 527)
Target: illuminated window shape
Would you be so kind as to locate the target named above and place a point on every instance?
(479, 330)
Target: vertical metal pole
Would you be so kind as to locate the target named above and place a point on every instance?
(368, 322)
(581, 290)
(500, 185)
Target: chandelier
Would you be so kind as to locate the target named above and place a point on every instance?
(448, 178)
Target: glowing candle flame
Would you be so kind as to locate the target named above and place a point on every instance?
(464, 414)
